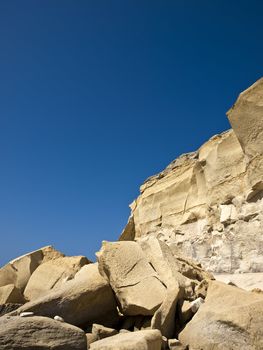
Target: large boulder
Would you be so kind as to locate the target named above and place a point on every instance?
(246, 119)
(230, 319)
(86, 299)
(17, 333)
(141, 340)
(10, 294)
(52, 274)
(19, 270)
(137, 286)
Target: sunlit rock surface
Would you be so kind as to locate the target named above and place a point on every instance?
(208, 204)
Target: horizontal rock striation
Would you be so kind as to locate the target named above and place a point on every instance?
(208, 204)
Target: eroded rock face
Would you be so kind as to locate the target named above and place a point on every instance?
(18, 333)
(208, 204)
(230, 319)
(246, 118)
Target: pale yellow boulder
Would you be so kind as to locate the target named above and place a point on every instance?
(52, 274)
(230, 319)
(141, 340)
(137, 286)
(85, 300)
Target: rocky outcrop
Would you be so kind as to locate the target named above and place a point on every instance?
(208, 204)
(230, 319)
(43, 333)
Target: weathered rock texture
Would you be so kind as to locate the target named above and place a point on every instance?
(230, 319)
(86, 299)
(19, 270)
(208, 204)
(17, 333)
(142, 340)
(52, 274)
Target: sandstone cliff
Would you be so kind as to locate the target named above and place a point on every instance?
(208, 204)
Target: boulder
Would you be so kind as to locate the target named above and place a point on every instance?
(52, 274)
(230, 319)
(11, 294)
(246, 119)
(19, 270)
(18, 333)
(143, 340)
(86, 299)
(137, 286)
(164, 317)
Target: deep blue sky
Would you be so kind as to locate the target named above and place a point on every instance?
(95, 96)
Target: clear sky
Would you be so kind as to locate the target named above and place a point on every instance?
(95, 96)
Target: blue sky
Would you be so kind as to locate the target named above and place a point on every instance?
(95, 96)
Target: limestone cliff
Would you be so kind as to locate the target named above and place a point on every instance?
(208, 204)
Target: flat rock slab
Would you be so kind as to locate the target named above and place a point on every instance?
(17, 333)
(141, 340)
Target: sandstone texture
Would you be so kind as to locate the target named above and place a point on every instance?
(141, 340)
(19, 270)
(134, 281)
(86, 299)
(52, 274)
(186, 274)
(11, 294)
(208, 204)
(18, 333)
(230, 319)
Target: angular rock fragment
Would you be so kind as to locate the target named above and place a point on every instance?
(137, 286)
(84, 300)
(52, 274)
(141, 340)
(164, 317)
(230, 319)
(43, 333)
(11, 294)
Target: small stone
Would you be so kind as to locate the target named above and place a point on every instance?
(26, 314)
(58, 318)
(195, 305)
